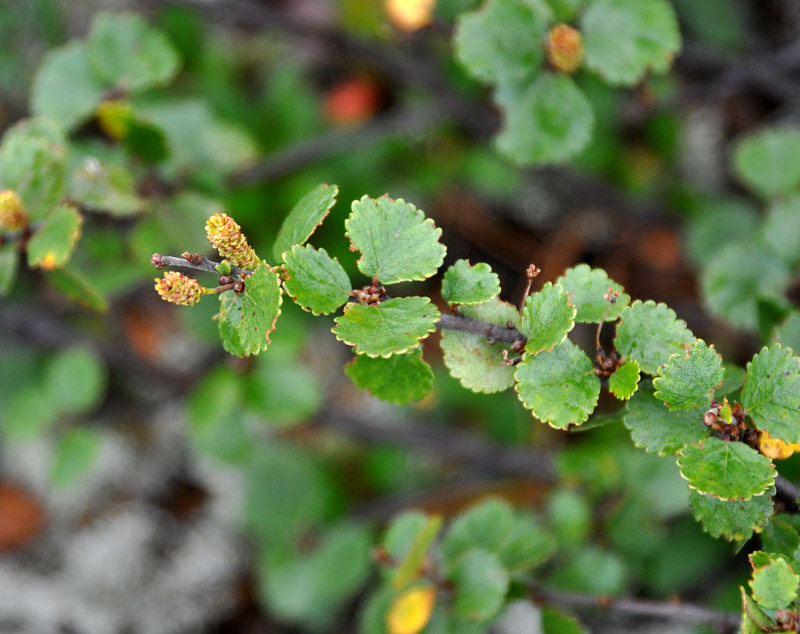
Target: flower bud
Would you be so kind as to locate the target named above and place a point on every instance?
(564, 48)
(228, 239)
(12, 211)
(179, 289)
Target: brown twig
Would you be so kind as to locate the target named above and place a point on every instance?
(197, 263)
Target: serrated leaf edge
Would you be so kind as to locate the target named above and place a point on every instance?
(283, 273)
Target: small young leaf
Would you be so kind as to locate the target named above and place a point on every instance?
(727, 470)
(625, 380)
(52, 244)
(75, 380)
(547, 318)
(304, 218)
(650, 333)
(586, 287)
(559, 386)
(771, 392)
(391, 327)
(481, 583)
(127, 54)
(623, 40)
(246, 320)
(466, 284)
(548, 121)
(64, 88)
(768, 162)
(316, 281)
(782, 229)
(471, 358)
(74, 456)
(774, 585)
(656, 429)
(503, 42)
(9, 261)
(688, 379)
(401, 378)
(754, 619)
(735, 520)
(409, 569)
(397, 242)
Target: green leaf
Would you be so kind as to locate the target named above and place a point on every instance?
(283, 391)
(727, 470)
(559, 386)
(397, 242)
(592, 570)
(64, 88)
(527, 546)
(486, 525)
(586, 287)
(466, 284)
(504, 41)
(52, 244)
(547, 318)
(401, 378)
(471, 358)
(732, 292)
(101, 181)
(75, 454)
(754, 619)
(548, 121)
(27, 415)
(32, 163)
(625, 380)
(304, 218)
(768, 162)
(402, 533)
(735, 520)
(391, 327)
(771, 392)
(570, 517)
(736, 219)
(315, 280)
(247, 320)
(781, 536)
(410, 566)
(733, 378)
(9, 262)
(774, 585)
(555, 622)
(656, 429)
(75, 380)
(623, 40)
(688, 380)
(651, 333)
(127, 54)
(788, 332)
(782, 229)
(481, 583)
(78, 288)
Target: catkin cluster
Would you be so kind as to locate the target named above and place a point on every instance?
(179, 289)
(228, 239)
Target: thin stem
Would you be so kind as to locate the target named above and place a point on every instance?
(788, 493)
(197, 263)
(531, 273)
(482, 328)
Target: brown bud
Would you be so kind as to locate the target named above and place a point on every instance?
(225, 279)
(564, 48)
(238, 287)
(157, 261)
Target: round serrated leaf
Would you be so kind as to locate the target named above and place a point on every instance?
(559, 386)
(401, 378)
(650, 333)
(466, 284)
(547, 318)
(316, 281)
(480, 584)
(397, 242)
(656, 429)
(625, 380)
(391, 327)
(771, 392)
(503, 42)
(547, 121)
(768, 162)
(775, 584)
(305, 217)
(727, 470)
(688, 380)
(126, 53)
(64, 88)
(471, 358)
(623, 39)
(52, 244)
(586, 287)
(735, 520)
(247, 320)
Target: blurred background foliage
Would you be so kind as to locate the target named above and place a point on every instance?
(197, 490)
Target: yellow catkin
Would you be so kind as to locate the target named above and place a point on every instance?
(12, 212)
(177, 288)
(228, 239)
(565, 48)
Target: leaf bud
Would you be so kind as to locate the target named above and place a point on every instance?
(564, 48)
(179, 289)
(12, 212)
(228, 239)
